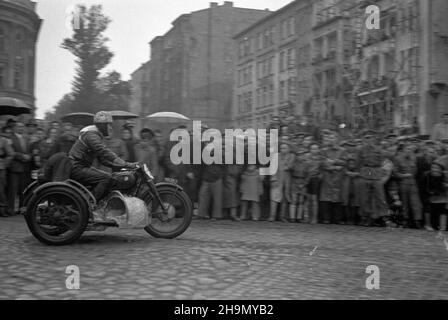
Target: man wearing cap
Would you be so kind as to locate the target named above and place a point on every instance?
(31, 127)
(11, 123)
(20, 168)
(333, 173)
(405, 170)
(350, 184)
(299, 170)
(440, 130)
(372, 179)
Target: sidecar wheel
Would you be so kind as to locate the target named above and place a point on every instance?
(57, 215)
(176, 219)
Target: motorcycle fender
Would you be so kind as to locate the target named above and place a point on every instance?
(29, 191)
(53, 184)
(169, 184)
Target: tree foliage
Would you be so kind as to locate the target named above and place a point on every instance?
(91, 92)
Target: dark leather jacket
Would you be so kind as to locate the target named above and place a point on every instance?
(90, 145)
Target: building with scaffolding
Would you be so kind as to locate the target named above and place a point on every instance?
(387, 78)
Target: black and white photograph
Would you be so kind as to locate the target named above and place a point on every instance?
(244, 152)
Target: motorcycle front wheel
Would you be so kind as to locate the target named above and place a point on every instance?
(176, 216)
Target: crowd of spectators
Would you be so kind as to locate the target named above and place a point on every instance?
(324, 175)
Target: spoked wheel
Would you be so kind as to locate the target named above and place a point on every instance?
(57, 216)
(174, 218)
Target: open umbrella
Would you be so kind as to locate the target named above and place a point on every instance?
(79, 118)
(123, 115)
(168, 117)
(13, 106)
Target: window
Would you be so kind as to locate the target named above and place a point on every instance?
(2, 70)
(19, 42)
(282, 91)
(2, 40)
(403, 63)
(265, 96)
(291, 58)
(292, 26)
(269, 61)
(259, 91)
(17, 77)
(271, 94)
(284, 29)
(249, 74)
(291, 87)
(282, 61)
(331, 78)
(241, 49)
(260, 41)
(332, 42)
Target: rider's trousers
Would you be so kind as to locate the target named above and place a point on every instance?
(88, 176)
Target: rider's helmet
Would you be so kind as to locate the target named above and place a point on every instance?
(102, 117)
(103, 121)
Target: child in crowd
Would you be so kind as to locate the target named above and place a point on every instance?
(251, 189)
(316, 161)
(436, 196)
(298, 210)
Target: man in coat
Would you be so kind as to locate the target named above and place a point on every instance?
(19, 172)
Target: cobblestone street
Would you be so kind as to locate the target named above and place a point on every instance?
(227, 260)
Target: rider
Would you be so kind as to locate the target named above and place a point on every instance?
(90, 145)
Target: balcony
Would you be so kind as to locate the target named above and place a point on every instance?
(317, 59)
(376, 36)
(331, 56)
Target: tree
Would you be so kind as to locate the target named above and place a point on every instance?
(88, 45)
(115, 93)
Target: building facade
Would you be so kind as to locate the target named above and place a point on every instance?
(19, 29)
(266, 65)
(192, 64)
(343, 72)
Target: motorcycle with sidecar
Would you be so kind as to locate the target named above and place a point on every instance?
(58, 213)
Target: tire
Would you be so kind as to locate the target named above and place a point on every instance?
(183, 199)
(60, 192)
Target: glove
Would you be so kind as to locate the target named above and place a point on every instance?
(131, 165)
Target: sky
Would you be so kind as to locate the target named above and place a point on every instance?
(134, 24)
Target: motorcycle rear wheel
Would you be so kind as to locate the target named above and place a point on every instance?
(178, 205)
(74, 210)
